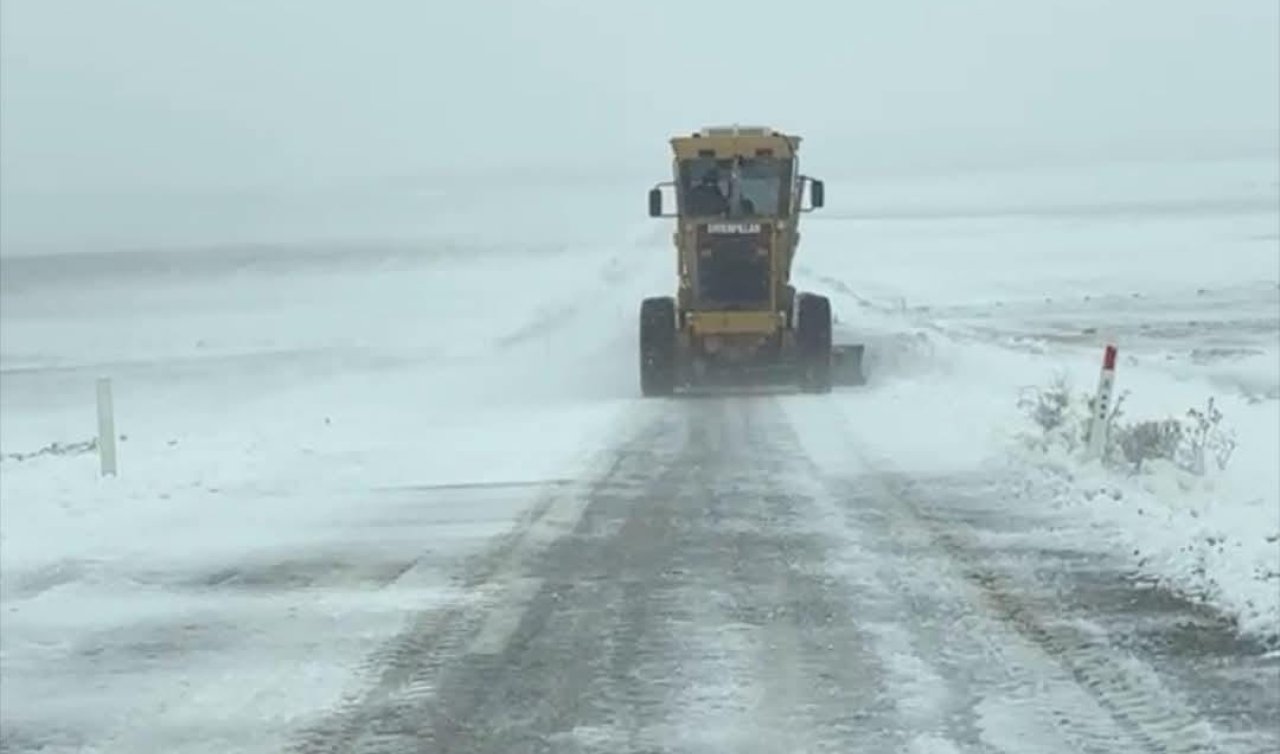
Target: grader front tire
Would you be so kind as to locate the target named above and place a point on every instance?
(658, 346)
(813, 341)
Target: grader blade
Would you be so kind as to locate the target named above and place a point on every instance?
(846, 364)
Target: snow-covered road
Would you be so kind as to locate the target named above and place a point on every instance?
(716, 589)
(375, 497)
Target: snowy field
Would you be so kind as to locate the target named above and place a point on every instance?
(284, 409)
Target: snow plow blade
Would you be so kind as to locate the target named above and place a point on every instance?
(846, 365)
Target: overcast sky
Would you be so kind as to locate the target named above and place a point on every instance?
(134, 93)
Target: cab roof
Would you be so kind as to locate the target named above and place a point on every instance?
(735, 140)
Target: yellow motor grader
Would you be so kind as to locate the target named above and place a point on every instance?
(736, 318)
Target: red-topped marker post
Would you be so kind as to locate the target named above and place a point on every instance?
(1102, 403)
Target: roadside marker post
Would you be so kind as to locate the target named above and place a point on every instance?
(1102, 403)
(106, 429)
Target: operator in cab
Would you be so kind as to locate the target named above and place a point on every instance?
(706, 197)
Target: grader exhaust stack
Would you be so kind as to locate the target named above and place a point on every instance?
(736, 318)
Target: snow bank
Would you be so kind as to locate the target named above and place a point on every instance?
(1213, 535)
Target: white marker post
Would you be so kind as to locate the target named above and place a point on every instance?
(1102, 403)
(106, 428)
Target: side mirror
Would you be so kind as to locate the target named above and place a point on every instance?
(816, 193)
(655, 202)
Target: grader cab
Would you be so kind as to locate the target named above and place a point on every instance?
(736, 318)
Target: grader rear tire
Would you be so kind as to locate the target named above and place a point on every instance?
(813, 341)
(658, 346)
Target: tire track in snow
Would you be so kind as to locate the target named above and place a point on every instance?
(688, 611)
(1090, 608)
(1001, 688)
(402, 677)
(1132, 709)
(959, 680)
(577, 673)
(804, 675)
(683, 615)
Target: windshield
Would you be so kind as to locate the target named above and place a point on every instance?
(744, 187)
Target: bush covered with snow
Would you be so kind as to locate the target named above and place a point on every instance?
(1062, 419)
(1173, 501)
